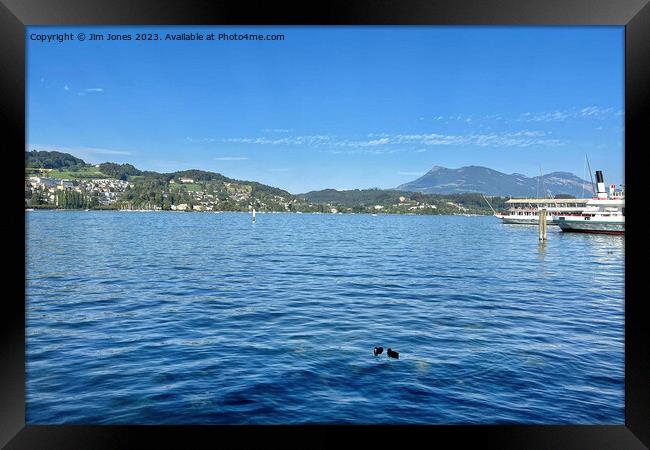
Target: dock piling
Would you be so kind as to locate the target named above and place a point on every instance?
(542, 225)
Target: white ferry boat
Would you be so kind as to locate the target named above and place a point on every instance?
(525, 211)
(604, 214)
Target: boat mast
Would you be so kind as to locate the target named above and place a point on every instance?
(593, 186)
(584, 175)
(495, 213)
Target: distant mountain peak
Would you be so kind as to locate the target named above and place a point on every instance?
(441, 180)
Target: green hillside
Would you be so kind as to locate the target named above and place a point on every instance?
(127, 187)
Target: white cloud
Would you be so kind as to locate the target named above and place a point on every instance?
(277, 130)
(79, 152)
(382, 141)
(512, 139)
(294, 140)
(592, 112)
(106, 151)
(555, 116)
(199, 140)
(90, 90)
(595, 111)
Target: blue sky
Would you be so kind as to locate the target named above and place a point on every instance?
(335, 107)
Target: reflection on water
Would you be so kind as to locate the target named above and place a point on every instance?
(205, 318)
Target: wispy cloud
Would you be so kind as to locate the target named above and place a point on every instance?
(293, 140)
(66, 88)
(90, 91)
(276, 130)
(411, 174)
(560, 115)
(591, 112)
(555, 116)
(510, 139)
(106, 151)
(231, 158)
(465, 118)
(384, 143)
(595, 111)
(199, 140)
(364, 150)
(80, 152)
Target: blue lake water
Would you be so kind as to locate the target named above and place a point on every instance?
(207, 318)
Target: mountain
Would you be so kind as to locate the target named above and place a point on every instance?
(440, 180)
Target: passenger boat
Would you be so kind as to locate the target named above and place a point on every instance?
(525, 211)
(604, 214)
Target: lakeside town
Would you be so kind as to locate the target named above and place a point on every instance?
(73, 184)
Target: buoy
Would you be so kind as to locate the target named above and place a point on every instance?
(253, 215)
(392, 354)
(378, 350)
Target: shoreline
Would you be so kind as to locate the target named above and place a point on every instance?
(257, 212)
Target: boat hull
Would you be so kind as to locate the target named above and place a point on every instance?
(592, 227)
(521, 221)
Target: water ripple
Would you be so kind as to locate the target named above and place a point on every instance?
(133, 319)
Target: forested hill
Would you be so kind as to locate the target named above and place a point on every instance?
(67, 166)
(396, 201)
(51, 160)
(147, 189)
(132, 188)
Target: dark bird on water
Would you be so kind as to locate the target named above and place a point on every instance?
(392, 354)
(378, 350)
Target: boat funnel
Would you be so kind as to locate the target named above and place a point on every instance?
(600, 183)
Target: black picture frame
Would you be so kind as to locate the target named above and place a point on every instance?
(15, 15)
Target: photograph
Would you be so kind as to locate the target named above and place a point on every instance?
(324, 225)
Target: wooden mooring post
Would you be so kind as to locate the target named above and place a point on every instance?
(542, 225)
